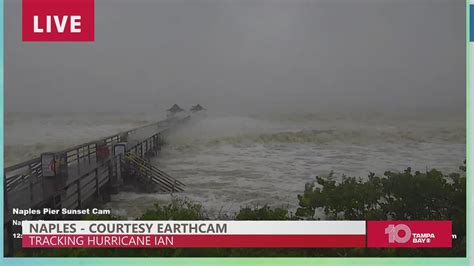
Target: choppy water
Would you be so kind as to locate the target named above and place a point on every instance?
(232, 162)
(29, 135)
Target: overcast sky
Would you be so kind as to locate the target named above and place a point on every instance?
(246, 56)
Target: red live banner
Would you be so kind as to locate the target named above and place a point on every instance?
(58, 20)
(409, 234)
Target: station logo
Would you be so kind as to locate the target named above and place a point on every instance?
(409, 234)
(58, 20)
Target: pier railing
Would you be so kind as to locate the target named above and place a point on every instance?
(84, 173)
(85, 170)
(18, 173)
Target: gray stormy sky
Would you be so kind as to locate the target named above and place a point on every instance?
(246, 56)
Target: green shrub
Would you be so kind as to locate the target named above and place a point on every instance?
(431, 195)
(178, 209)
(263, 213)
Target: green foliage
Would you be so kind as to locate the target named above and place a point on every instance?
(350, 199)
(99, 217)
(178, 209)
(263, 213)
(395, 196)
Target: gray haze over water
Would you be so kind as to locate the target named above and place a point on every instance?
(247, 56)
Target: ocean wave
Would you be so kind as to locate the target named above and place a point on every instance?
(329, 136)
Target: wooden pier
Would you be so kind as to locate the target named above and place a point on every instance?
(85, 174)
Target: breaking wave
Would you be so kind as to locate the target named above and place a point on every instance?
(331, 136)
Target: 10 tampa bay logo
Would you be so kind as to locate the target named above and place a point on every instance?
(409, 234)
(401, 233)
(58, 20)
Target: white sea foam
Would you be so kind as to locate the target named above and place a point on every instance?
(233, 162)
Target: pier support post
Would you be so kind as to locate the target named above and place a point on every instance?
(116, 179)
(55, 174)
